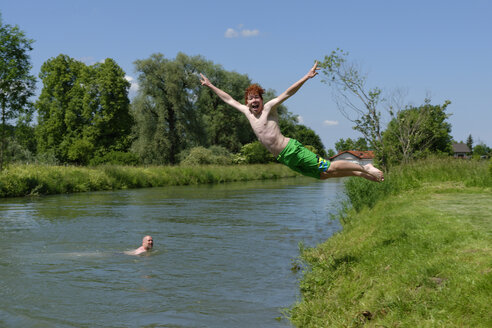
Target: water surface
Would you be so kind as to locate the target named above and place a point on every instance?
(222, 254)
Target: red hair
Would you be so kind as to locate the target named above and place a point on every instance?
(254, 89)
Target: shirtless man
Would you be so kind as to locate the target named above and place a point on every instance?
(264, 121)
(147, 244)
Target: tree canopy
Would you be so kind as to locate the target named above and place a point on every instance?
(16, 83)
(83, 111)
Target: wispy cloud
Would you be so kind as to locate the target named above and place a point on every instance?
(240, 32)
(330, 123)
(133, 84)
(249, 33)
(231, 33)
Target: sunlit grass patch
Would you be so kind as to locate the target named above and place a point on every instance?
(420, 259)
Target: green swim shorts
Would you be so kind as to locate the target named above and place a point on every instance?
(302, 160)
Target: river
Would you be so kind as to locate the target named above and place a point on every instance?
(222, 254)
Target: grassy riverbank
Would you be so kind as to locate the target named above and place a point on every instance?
(418, 254)
(24, 180)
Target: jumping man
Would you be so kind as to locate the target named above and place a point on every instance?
(264, 121)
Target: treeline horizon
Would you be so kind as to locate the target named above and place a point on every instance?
(85, 116)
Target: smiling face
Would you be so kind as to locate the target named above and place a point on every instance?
(147, 242)
(255, 103)
(254, 98)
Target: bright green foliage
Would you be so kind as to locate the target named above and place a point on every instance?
(60, 106)
(481, 151)
(16, 83)
(256, 153)
(83, 110)
(416, 132)
(106, 107)
(349, 144)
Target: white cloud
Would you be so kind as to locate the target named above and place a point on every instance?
(133, 84)
(330, 123)
(300, 119)
(248, 33)
(231, 33)
(240, 32)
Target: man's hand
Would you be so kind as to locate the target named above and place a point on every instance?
(312, 72)
(204, 80)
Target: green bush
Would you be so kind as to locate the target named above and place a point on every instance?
(80, 151)
(256, 153)
(214, 155)
(116, 158)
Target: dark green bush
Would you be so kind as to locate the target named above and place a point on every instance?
(116, 158)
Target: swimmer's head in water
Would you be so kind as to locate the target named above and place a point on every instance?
(148, 242)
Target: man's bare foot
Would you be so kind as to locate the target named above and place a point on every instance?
(374, 172)
(367, 176)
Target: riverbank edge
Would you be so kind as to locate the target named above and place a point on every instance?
(37, 180)
(419, 257)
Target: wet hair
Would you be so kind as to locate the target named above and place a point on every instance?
(253, 88)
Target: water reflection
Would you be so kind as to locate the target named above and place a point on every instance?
(222, 254)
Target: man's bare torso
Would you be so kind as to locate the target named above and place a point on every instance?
(265, 126)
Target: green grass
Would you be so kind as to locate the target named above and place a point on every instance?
(418, 256)
(457, 173)
(23, 180)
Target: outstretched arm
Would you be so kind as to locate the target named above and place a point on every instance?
(223, 95)
(293, 88)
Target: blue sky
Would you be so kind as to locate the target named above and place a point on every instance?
(437, 48)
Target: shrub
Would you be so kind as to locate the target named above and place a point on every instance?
(256, 153)
(116, 158)
(200, 155)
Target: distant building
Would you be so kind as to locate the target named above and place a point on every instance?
(461, 150)
(361, 157)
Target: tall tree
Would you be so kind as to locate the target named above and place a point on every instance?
(469, 142)
(416, 132)
(357, 102)
(16, 83)
(107, 107)
(83, 111)
(163, 107)
(60, 106)
(173, 112)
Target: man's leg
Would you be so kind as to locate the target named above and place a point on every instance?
(340, 169)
